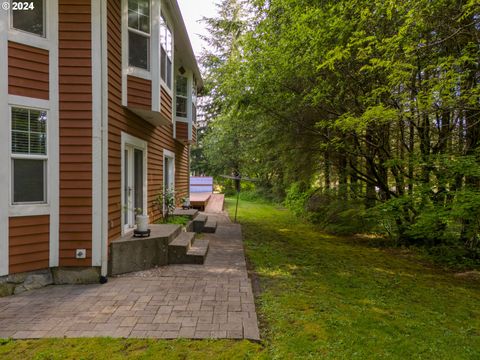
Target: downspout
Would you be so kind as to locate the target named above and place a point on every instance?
(104, 141)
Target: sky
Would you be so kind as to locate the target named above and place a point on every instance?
(192, 12)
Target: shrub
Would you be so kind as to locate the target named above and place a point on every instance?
(331, 213)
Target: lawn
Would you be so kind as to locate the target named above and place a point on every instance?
(321, 297)
(345, 298)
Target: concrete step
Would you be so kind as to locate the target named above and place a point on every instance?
(129, 254)
(191, 213)
(198, 252)
(199, 222)
(178, 248)
(210, 226)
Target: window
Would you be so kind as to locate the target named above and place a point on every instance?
(29, 155)
(194, 99)
(30, 19)
(139, 33)
(166, 47)
(182, 96)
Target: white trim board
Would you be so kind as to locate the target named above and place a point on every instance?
(124, 50)
(127, 139)
(155, 54)
(4, 141)
(96, 134)
(53, 133)
(171, 155)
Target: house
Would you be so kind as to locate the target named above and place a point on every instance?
(98, 104)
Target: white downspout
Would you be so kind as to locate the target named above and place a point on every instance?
(104, 129)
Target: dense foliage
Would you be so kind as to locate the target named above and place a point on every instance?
(363, 113)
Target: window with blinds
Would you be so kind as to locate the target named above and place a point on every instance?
(29, 155)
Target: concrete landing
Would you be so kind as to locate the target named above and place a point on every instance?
(129, 253)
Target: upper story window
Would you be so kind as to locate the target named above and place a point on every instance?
(182, 96)
(194, 99)
(139, 33)
(166, 51)
(29, 155)
(29, 16)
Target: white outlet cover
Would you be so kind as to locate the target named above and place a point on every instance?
(81, 253)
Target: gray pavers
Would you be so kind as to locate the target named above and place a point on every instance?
(213, 300)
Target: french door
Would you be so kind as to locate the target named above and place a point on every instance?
(133, 185)
(168, 173)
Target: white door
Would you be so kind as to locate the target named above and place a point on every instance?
(133, 185)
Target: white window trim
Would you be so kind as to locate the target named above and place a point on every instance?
(171, 155)
(31, 39)
(50, 43)
(153, 74)
(127, 139)
(189, 119)
(138, 72)
(142, 33)
(168, 20)
(29, 209)
(187, 98)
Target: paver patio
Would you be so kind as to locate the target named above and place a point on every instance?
(213, 300)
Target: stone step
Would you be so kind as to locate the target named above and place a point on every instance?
(199, 222)
(184, 239)
(198, 252)
(178, 248)
(210, 226)
(191, 213)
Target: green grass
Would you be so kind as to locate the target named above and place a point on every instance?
(343, 298)
(322, 297)
(174, 219)
(113, 349)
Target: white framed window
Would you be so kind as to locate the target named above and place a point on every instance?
(181, 98)
(194, 99)
(166, 52)
(29, 17)
(28, 155)
(139, 34)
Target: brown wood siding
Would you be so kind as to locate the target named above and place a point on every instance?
(75, 91)
(28, 73)
(181, 133)
(29, 243)
(139, 93)
(120, 119)
(165, 103)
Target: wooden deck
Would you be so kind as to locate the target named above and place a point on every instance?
(215, 204)
(200, 200)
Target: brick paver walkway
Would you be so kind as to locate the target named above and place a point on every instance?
(213, 300)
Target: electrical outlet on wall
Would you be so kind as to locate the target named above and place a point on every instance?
(81, 253)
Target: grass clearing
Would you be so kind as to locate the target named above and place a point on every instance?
(344, 298)
(322, 297)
